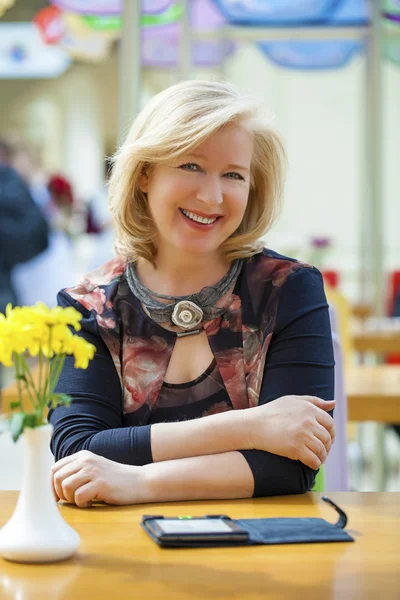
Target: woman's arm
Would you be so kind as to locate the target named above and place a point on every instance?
(94, 420)
(300, 361)
(214, 477)
(85, 477)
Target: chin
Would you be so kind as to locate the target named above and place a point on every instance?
(197, 249)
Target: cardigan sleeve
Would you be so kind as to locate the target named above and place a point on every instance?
(299, 361)
(94, 420)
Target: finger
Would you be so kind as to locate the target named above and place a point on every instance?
(309, 459)
(325, 420)
(64, 473)
(71, 484)
(332, 431)
(86, 494)
(322, 434)
(324, 404)
(68, 459)
(318, 448)
(62, 462)
(56, 496)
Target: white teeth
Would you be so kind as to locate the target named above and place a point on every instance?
(194, 217)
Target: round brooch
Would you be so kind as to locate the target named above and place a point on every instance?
(187, 315)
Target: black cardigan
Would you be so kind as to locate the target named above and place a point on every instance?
(278, 320)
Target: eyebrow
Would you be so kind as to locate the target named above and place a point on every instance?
(230, 166)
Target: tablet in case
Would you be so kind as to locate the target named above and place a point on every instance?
(266, 531)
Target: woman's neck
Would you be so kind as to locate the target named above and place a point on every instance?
(182, 276)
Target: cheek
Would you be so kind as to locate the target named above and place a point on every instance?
(238, 203)
(170, 193)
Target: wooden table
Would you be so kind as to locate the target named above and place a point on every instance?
(373, 393)
(361, 310)
(379, 341)
(117, 559)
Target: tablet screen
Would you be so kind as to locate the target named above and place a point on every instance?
(193, 526)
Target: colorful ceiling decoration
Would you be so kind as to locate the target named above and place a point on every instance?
(90, 26)
(24, 55)
(50, 23)
(348, 12)
(257, 12)
(171, 15)
(160, 46)
(108, 7)
(391, 9)
(312, 55)
(162, 50)
(83, 42)
(321, 54)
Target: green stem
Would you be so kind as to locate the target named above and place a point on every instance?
(30, 384)
(18, 375)
(48, 368)
(56, 372)
(40, 375)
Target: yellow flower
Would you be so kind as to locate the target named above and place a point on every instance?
(57, 315)
(82, 351)
(5, 342)
(37, 328)
(47, 332)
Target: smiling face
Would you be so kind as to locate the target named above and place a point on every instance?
(199, 200)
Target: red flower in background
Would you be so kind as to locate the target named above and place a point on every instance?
(60, 190)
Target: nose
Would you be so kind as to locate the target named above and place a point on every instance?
(210, 190)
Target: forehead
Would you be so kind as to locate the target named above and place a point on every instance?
(232, 144)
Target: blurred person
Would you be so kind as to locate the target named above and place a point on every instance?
(40, 278)
(214, 370)
(23, 230)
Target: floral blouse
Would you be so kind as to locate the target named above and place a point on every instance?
(274, 339)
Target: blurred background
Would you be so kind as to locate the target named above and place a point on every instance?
(73, 75)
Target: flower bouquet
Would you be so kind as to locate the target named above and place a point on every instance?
(36, 532)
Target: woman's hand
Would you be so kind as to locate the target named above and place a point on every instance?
(85, 477)
(298, 427)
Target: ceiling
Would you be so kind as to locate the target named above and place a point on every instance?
(23, 10)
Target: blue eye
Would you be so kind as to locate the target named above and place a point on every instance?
(235, 176)
(190, 167)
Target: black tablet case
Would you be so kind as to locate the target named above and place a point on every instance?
(270, 531)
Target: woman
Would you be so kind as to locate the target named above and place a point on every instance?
(194, 318)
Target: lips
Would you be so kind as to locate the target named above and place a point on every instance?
(200, 225)
(200, 214)
(194, 216)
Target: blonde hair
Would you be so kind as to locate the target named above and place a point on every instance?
(174, 122)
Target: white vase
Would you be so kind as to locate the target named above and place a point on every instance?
(37, 532)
